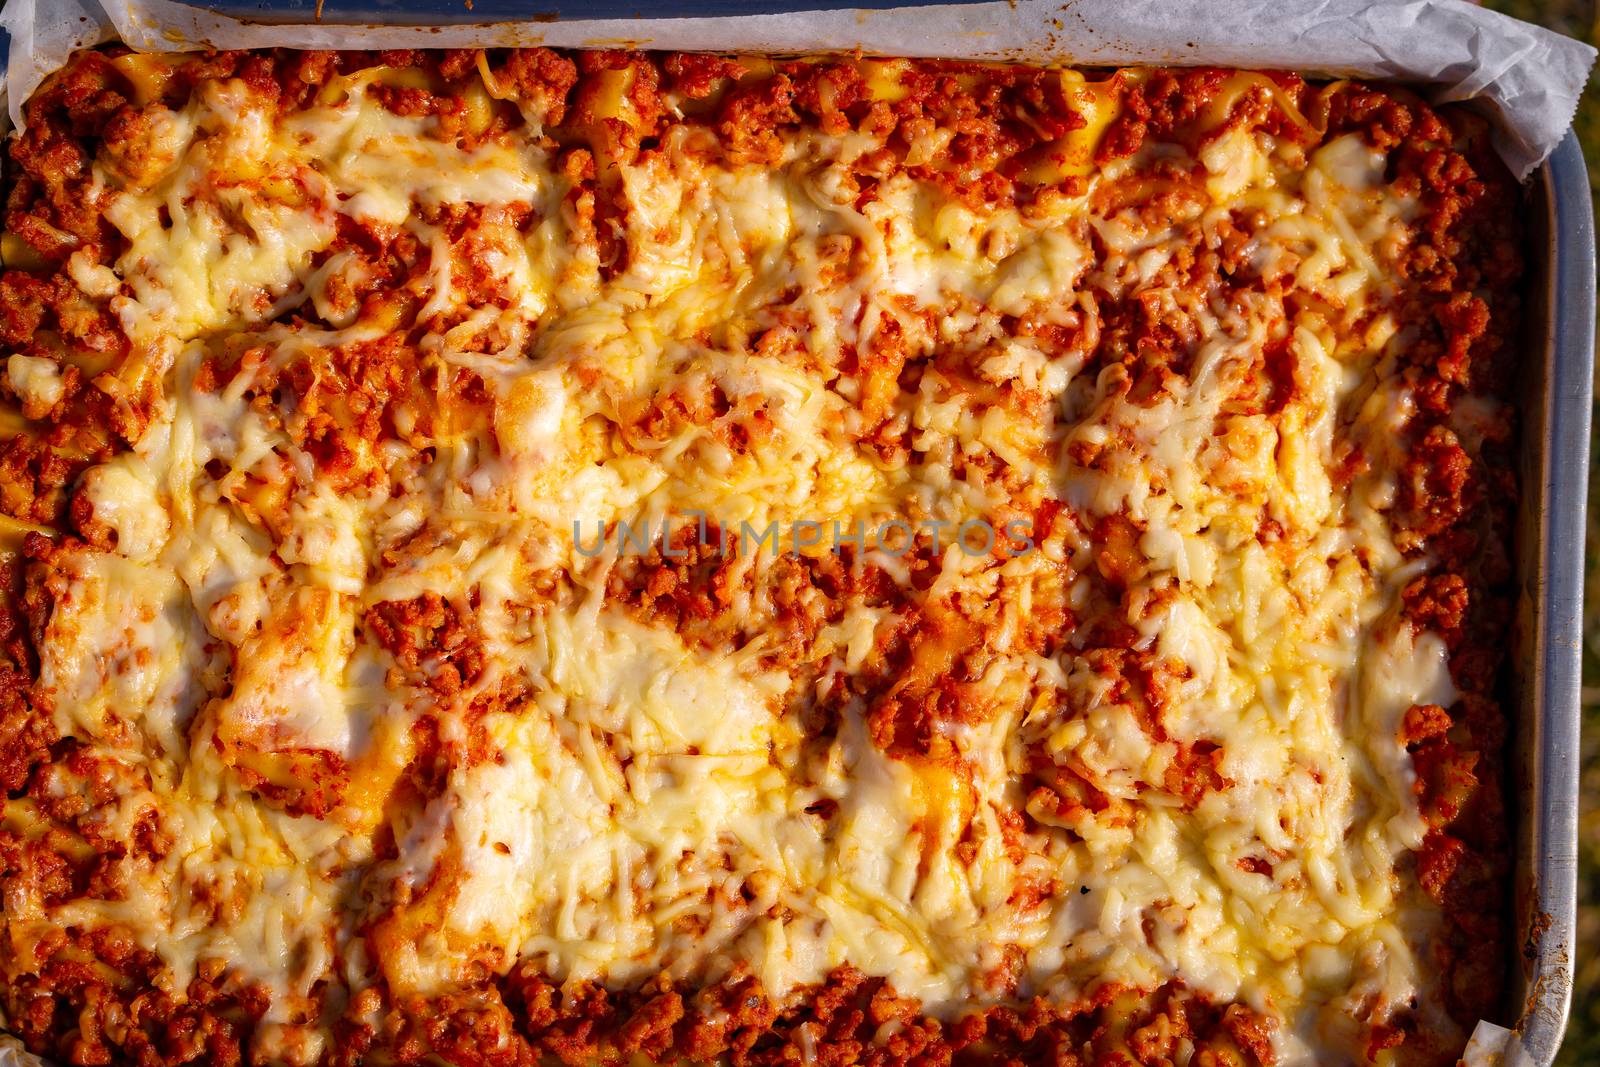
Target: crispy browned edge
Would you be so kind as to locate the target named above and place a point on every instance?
(94, 998)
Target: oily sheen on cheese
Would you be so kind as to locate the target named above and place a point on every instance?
(394, 721)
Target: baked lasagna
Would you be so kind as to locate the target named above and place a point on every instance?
(521, 557)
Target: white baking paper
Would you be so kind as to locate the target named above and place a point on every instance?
(1495, 1046)
(13, 1054)
(1527, 77)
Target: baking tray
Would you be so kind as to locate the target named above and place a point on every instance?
(1555, 399)
(1547, 650)
(436, 12)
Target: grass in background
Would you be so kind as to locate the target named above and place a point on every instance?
(1581, 19)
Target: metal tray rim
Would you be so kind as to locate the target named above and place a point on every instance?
(1550, 705)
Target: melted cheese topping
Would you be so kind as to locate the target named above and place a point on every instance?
(619, 799)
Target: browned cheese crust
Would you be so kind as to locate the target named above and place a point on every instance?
(86, 826)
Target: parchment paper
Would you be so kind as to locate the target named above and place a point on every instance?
(1494, 1046)
(1528, 78)
(12, 1054)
